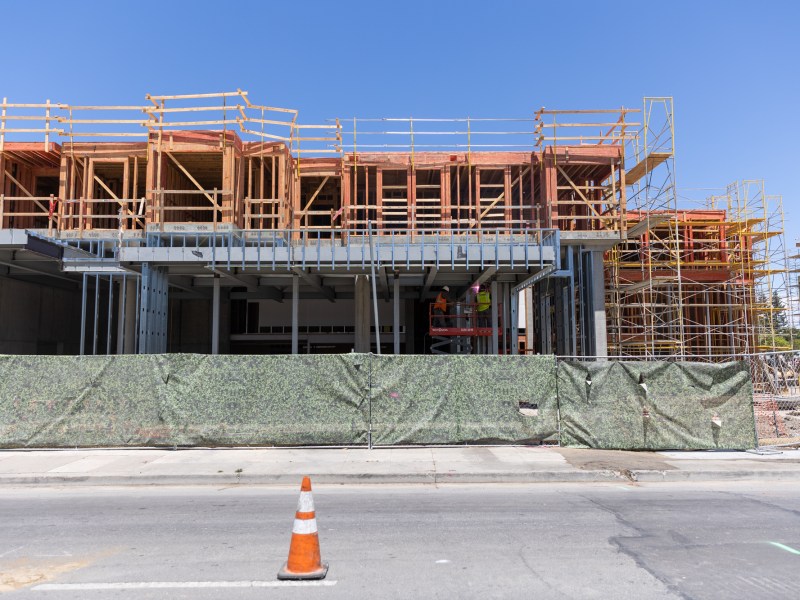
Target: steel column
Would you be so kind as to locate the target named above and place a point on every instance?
(295, 311)
(495, 324)
(396, 315)
(215, 316)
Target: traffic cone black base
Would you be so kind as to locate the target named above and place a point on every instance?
(283, 574)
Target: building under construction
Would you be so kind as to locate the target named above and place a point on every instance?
(209, 223)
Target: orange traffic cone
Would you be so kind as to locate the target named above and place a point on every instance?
(304, 558)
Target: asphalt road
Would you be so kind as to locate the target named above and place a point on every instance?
(581, 541)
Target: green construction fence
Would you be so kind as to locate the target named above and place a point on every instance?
(357, 399)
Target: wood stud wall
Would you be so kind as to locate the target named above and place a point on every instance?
(210, 177)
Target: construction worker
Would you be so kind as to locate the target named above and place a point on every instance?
(440, 307)
(484, 301)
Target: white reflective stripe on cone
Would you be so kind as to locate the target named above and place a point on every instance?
(305, 503)
(304, 526)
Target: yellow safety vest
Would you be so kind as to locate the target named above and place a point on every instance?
(484, 301)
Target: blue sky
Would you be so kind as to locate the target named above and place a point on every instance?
(732, 67)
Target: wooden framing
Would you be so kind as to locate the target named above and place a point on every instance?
(25, 169)
(195, 168)
(89, 200)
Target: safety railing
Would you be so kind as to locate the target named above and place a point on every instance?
(470, 134)
(263, 213)
(29, 212)
(82, 214)
(351, 248)
(180, 206)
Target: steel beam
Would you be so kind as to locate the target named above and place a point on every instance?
(315, 281)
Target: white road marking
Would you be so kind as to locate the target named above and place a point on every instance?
(444, 561)
(7, 552)
(785, 547)
(147, 585)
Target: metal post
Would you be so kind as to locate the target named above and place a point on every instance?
(514, 300)
(83, 316)
(123, 296)
(138, 318)
(599, 305)
(96, 312)
(374, 292)
(505, 292)
(396, 321)
(530, 323)
(571, 262)
(215, 317)
(109, 320)
(144, 307)
(295, 310)
(495, 324)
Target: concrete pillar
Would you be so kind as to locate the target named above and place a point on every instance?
(361, 302)
(215, 317)
(598, 284)
(396, 315)
(295, 315)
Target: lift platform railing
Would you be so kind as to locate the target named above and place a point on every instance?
(462, 319)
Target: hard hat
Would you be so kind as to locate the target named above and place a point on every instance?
(446, 289)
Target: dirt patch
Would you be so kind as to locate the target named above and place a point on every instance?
(773, 423)
(614, 460)
(791, 421)
(24, 572)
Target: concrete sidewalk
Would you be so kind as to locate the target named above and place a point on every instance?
(231, 466)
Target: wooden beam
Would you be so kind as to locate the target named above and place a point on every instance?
(582, 196)
(106, 188)
(502, 195)
(314, 195)
(192, 179)
(644, 167)
(27, 193)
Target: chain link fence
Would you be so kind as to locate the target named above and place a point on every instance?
(776, 397)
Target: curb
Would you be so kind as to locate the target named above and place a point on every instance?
(428, 478)
(716, 475)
